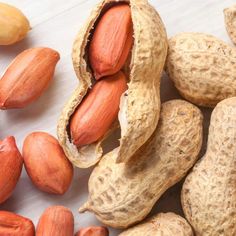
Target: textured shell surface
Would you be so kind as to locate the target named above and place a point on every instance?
(162, 224)
(230, 22)
(209, 191)
(121, 194)
(140, 104)
(202, 67)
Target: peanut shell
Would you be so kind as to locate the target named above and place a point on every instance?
(209, 191)
(140, 104)
(230, 22)
(202, 67)
(121, 194)
(162, 224)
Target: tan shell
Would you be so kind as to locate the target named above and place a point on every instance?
(123, 194)
(162, 224)
(209, 191)
(202, 67)
(140, 105)
(230, 22)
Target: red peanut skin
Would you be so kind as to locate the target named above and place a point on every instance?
(93, 231)
(99, 109)
(112, 41)
(56, 221)
(27, 77)
(12, 224)
(46, 163)
(11, 163)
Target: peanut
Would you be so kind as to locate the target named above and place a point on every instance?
(46, 163)
(202, 68)
(27, 77)
(140, 106)
(209, 191)
(99, 109)
(13, 24)
(12, 224)
(230, 22)
(112, 41)
(121, 194)
(11, 163)
(93, 231)
(163, 224)
(56, 221)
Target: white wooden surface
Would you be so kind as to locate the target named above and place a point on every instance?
(55, 24)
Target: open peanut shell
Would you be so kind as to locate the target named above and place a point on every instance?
(140, 104)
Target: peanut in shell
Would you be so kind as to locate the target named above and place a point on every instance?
(122, 194)
(209, 191)
(140, 104)
(162, 224)
(202, 67)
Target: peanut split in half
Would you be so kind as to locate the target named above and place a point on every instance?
(132, 24)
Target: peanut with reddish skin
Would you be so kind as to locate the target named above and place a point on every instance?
(27, 77)
(140, 107)
(11, 163)
(56, 221)
(112, 41)
(12, 224)
(98, 111)
(93, 231)
(46, 163)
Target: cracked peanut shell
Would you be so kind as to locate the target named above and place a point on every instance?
(121, 194)
(140, 104)
(209, 191)
(202, 67)
(162, 224)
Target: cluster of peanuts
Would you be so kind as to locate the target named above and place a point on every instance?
(119, 56)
